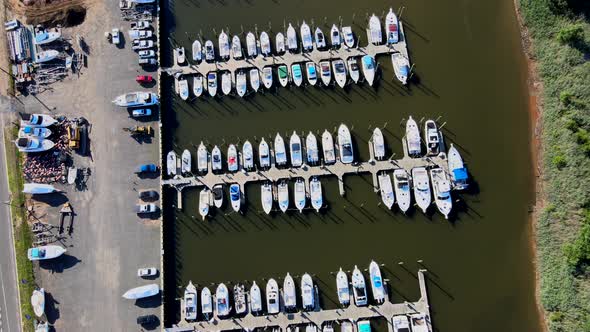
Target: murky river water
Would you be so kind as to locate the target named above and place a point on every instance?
(470, 74)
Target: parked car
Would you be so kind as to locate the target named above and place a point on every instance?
(138, 113)
(146, 168)
(148, 195)
(147, 272)
(140, 34)
(142, 79)
(142, 44)
(146, 208)
(147, 319)
(146, 54)
(138, 25)
(115, 36)
(146, 62)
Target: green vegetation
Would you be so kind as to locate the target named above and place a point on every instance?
(559, 33)
(22, 233)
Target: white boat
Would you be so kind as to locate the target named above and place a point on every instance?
(359, 288)
(266, 197)
(248, 156)
(368, 66)
(222, 300)
(232, 158)
(212, 83)
(206, 303)
(45, 56)
(386, 190)
(328, 148)
(251, 45)
(295, 150)
(335, 39)
(348, 36)
(186, 162)
(325, 72)
(311, 149)
(216, 161)
(377, 286)
(283, 75)
(236, 47)
(255, 79)
(432, 138)
(217, 193)
(240, 299)
(413, 138)
(312, 73)
(180, 54)
(263, 154)
(265, 48)
(190, 302)
(315, 188)
(401, 184)
(171, 163)
(391, 27)
(400, 324)
(283, 195)
(346, 326)
(202, 158)
(378, 144)
(209, 51)
(223, 41)
(267, 77)
(272, 296)
(375, 27)
(46, 37)
(280, 151)
(226, 82)
(420, 323)
(45, 252)
(183, 88)
(255, 299)
(292, 43)
(459, 175)
(241, 84)
(280, 43)
(421, 184)
(235, 196)
(38, 302)
(38, 188)
(320, 39)
(204, 202)
(353, 69)
(142, 292)
(32, 144)
(300, 194)
(307, 292)
(306, 39)
(339, 72)
(136, 99)
(296, 74)
(289, 294)
(442, 191)
(197, 51)
(401, 67)
(198, 85)
(328, 328)
(345, 148)
(36, 120)
(343, 288)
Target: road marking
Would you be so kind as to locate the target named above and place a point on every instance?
(4, 296)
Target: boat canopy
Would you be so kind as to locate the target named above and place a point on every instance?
(368, 61)
(37, 253)
(364, 327)
(41, 36)
(460, 174)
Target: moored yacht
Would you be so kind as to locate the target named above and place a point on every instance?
(368, 66)
(359, 288)
(206, 303)
(400, 323)
(280, 43)
(339, 72)
(421, 184)
(255, 299)
(204, 202)
(202, 158)
(182, 83)
(292, 39)
(377, 286)
(289, 295)
(283, 195)
(386, 190)
(248, 156)
(459, 175)
(442, 191)
(296, 74)
(267, 77)
(391, 27)
(198, 85)
(353, 69)
(345, 148)
(236, 47)
(378, 144)
(212, 83)
(420, 323)
(255, 79)
(348, 36)
(263, 154)
(223, 45)
(343, 288)
(171, 163)
(186, 164)
(209, 51)
(235, 196)
(190, 302)
(266, 197)
(251, 45)
(197, 51)
(335, 39)
(315, 188)
(311, 71)
(217, 193)
(216, 161)
(413, 138)
(325, 72)
(180, 54)
(320, 39)
(432, 138)
(283, 75)
(241, 84)
(226, 82)
(401, 183)
(401, 67)
(295, 150)
(265, 48)
(375, 27)
(328, 148)
(240, 299)
(272, 296)
(306, 39)
(311, 149)
(232, 158)
(307, 292)
(222, 307)
(300, 194)
(280, 151)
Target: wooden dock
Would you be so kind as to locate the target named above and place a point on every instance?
(318, 317)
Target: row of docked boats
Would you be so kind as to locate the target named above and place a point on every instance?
(34, 133)
(419, 322)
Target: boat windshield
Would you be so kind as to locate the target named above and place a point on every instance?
(36, 119)
(347, 150)
(340, 67)
(360, 291)
(296, 147)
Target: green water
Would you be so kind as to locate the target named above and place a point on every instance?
(470, 75)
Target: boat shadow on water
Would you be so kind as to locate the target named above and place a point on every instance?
(59, 264)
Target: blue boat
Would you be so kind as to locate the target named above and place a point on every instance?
(235, 197)
(296, 74)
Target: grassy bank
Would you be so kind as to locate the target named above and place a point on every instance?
(22, 233)
(559, 31)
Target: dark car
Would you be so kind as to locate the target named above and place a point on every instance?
(146, 168)
(147, 319)
(148, 195)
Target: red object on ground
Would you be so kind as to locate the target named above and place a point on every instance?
(144, 78)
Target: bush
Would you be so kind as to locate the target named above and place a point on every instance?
(578, 252)
(571, 34)
(582, 136)
(559, 161)
(566, 98)
(556, 316)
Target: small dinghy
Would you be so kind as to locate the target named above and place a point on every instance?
(197, 51)
(312, 73)
(307, 292)
(251, 45)
(223, 45)
(190, 302)
(353, 69)
(226, 82)
(142, 292)
(241, 84)
(171, 163)
(320, 39)
(38, 302)
(255, 79)
(442, 191)
(235, 196)
(180, 55)
(335, 39)
(300, 194)
(295, 150)
(43, 120)
(36, 132)
(280, 43)
(265, 48)
(368, 66)
(432, 138)
(345, 148)
(240, 299)
(386, 190)
(236, 47)
(296, 74)
(272, 297)
(45, 252)
(283, 75)
(378, 144)
(198, 85)
(421, 188)
(217, 193)
(186, 162)
(206, 303)
(343, 288)
(401, 183)
(375, 27)
(266, 197)
(280, 151)
(222, 300)
(247, 156)
(325, 72)
(38, 188)
(216, 161)
(306, 38)
(212, 83)
(45, 56)
(232, 158)
(183, 88)
(413, 138)
(459, 175)
(202, 158)
(359, 288)
(292, 39)
(311, 149)
(315, 188)
(204, 202)
(267, 77)
(263, 154)
(209, 51)
(391, 27)
(348, 36)
(401, 67)
(283, 195)
(255, 299)
(377, 283)
(289, 294)
(339, 72)
(328, 148)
